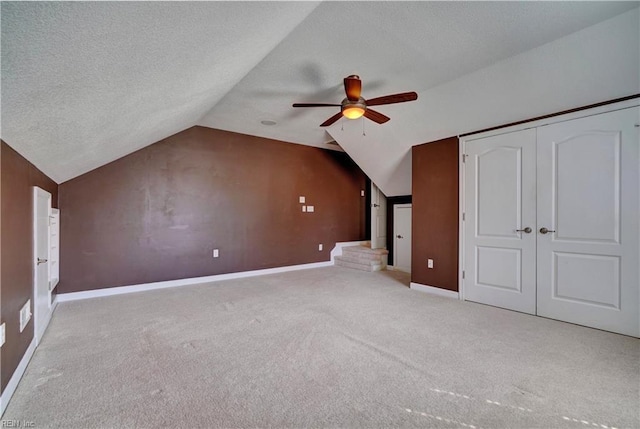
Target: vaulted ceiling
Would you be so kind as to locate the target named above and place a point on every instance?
(85, 83)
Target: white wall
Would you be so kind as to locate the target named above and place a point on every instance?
(599, 63)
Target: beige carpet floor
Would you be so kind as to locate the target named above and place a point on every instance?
(327, 347)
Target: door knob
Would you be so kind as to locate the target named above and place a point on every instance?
(527, 230)
(41, 261)
(544, 230)
(399, 236)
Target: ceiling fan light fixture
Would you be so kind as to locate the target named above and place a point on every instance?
(354, 106)
(353, 112)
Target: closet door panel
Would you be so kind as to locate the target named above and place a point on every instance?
(587, 264)
(499, 204)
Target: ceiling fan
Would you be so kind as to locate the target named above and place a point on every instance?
(354, 106)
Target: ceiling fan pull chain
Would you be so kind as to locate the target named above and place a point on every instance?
(342, 124)
(363, 127)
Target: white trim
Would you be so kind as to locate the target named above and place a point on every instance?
(634, 102)
(74, 296)
(461, 241)
(337, 250)
(434, 290)
(96, 293)
(54, 305)
(48, 316)
(392, 268)
(16, 377)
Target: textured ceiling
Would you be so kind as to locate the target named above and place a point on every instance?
(86, 83)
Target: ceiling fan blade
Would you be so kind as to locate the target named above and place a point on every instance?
(315, 105)
(353, 87)
(376, 116)
(331, 120)
(394, 98)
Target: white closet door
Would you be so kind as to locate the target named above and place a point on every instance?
(500, 198)
(588, 180)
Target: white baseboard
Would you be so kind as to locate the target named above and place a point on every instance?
(392, 268)
(435, 290)
(15, 378)
(74, 296)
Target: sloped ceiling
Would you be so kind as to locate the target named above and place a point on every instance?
(86, 83)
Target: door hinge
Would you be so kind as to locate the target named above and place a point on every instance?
(463, 216)
(462, 273)
(464, 157)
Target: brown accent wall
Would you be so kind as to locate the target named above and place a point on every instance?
(17, 177)
(435, 213)
(157, 214)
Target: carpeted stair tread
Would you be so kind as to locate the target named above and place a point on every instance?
(362, 265)
(365, 250)
(357, 260)
(363, 257)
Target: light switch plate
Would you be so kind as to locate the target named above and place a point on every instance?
(310, 208)
(362, 193)
(216, 253)
(304, 208)
(319, 247)
(301, 199)
(2, 334)
(429, 263)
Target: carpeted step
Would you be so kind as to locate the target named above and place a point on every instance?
(365, 253)
(358, 264)
(357, 260)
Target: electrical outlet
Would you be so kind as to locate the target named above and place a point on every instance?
(301, 199)
(2, 334)
(429, 263)
(25, 315)
(310, 209)
(216, 253)
(319, 247)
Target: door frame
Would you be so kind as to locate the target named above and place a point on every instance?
(469, 138)
(395, 243)
(378, 196)
(39, 319)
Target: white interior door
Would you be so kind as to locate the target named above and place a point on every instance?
(378, 218)
(500, 240)
(402, 237)
(588, 264)
(41, 247)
